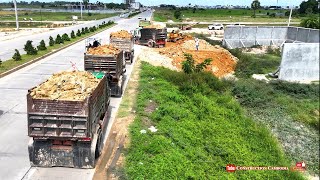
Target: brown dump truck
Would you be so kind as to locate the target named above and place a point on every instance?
(67, 132)
(123, 40)
(105, 61)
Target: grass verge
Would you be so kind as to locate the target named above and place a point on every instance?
(10, 64)
(201, 129)
(53, 16)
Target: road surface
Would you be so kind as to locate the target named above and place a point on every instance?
(14, 161)
(8, 47)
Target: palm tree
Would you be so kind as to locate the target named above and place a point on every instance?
(255, 5)
(86, 2)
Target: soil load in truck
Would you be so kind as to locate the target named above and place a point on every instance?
(123, 40)
(107, 61)
(67, 118)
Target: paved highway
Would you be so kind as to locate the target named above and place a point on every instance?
(14, 161)
(8, 47)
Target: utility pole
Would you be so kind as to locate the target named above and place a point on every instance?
(81, 9)
(290, 17)
(15, 9)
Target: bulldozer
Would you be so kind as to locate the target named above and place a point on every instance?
(174, 36)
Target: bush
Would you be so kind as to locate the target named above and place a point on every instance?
(296, 89)
(83, 31)
(311, 22)
(42, 46)
(65, 37)
(177, 14)
(274, 51)
(94, 28)
(0, 62)
(16, 56)
(72, 35)
(58, 40)
(86, 30)
(30, 49)
(189, 66)
(78, 33)
(91, 29)
(89, 14)
(51, 41)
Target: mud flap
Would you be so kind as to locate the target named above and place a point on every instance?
(79, 155)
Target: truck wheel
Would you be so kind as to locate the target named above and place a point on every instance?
(99, 146)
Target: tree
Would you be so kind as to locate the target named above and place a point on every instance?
(255, 5)
(0, 62)
(78, 33)
(83, 31)
(311, 22)
(30, 49)
(58, 40)
(51, 41)
(72, 35)
(65, 37)
(188, 66)
(194, 10)
(310, 6)
(16, 56)
(177, 14)
(42, 46)
(86, 30)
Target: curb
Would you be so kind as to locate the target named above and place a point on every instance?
(48, 54)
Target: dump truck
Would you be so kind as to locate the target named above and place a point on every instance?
(67, 133)
(152, 37)
(109, 65)
(123, 40)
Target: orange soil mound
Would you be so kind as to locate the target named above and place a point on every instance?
(121, 34)
(103, 50)
(223, 61)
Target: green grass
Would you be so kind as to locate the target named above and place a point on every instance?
(201, 129)
(24, 24)
(171, 25)
(212, 15)
(10, 64)
(52, 16)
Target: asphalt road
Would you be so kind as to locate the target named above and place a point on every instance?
(14, 160)
(8, 47)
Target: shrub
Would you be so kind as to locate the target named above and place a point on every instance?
(65, 37)
(89, 14)
(58, 40)
(72, 35)
(78, 33)
(177, 14)
(42, 46)
(274, 51)
(189, 66)
(51, 41)
(0, 62)
(83, 31)
(86, 30)
(91, 29)
(311, 22)
(30, 49)
(16, 56)
(94, 28)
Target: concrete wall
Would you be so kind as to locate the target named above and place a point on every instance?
(247, 36)
(300, 62)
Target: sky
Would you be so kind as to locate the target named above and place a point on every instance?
(198, 2)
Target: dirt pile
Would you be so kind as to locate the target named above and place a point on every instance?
(123, 34)
(223, 61)
(103, 50)
(156, 26)
(75, 85)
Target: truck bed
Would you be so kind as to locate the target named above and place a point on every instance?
(122, 43)
(61, 119)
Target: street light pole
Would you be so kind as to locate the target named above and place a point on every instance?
(16, 12)
(81, 9)
(290, 17)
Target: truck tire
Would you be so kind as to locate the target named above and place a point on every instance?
(150, 43)
(99, 145)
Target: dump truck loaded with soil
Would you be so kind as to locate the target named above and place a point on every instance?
(106, 60)
(123, 40)
(151, 35)
(67, 117)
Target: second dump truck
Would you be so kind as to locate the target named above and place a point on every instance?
(67, 127)
(107, 61)
(123, 40)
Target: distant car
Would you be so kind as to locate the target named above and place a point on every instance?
(139, 17)
(215, 26)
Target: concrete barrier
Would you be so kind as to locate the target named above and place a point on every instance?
(300, 62)
(247, 36)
